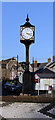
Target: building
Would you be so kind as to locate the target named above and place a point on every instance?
(45, 73)
(49, 64)
(8, 67)
(44, 79)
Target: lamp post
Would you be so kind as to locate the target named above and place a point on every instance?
(38, 87)
(33, 64)
(17, 66)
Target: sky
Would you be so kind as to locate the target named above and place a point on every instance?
(54, 28)
(41, 16)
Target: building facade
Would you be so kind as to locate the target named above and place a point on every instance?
(8, 67)
(44, 79)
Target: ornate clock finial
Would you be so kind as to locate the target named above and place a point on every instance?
(27, 19)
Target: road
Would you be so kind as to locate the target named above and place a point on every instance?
(27, 110)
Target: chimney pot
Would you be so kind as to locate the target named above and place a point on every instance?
(49, 59)
(35, 62)
(53, 58)
(29, 62)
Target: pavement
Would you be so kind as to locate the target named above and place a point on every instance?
(16, 110)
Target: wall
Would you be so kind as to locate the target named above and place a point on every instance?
(44, 84)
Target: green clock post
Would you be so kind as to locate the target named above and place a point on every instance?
(27, 35)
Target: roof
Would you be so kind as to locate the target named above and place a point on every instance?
(23, 64)
(50, 64)
(40, 65)
(7, 60)
(44, 70)
(39, 71)
(4, 62)
(45, 73)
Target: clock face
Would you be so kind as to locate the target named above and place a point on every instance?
(27, 33)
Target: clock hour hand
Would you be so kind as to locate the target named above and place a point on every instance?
(28, 33)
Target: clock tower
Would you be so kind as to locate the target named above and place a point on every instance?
(27, 36)
(27, 32)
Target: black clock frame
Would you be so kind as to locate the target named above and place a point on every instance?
(27, 41)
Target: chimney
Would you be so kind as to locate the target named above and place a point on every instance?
(49, 59)
(53, 58)
(35, 62)
(29, 63)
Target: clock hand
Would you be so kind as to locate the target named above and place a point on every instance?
(28, 33)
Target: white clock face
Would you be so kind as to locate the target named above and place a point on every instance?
(27, 33)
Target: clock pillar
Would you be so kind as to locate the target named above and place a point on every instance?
(27, 32)
(27, 57)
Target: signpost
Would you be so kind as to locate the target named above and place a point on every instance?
(37, 80)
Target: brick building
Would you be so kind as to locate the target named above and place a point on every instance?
(6, 68)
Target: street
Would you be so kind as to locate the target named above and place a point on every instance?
(27, 110)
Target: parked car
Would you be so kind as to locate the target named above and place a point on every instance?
(6, 85)
(13, 87)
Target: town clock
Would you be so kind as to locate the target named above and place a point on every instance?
(27, 32)
(27, 36)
